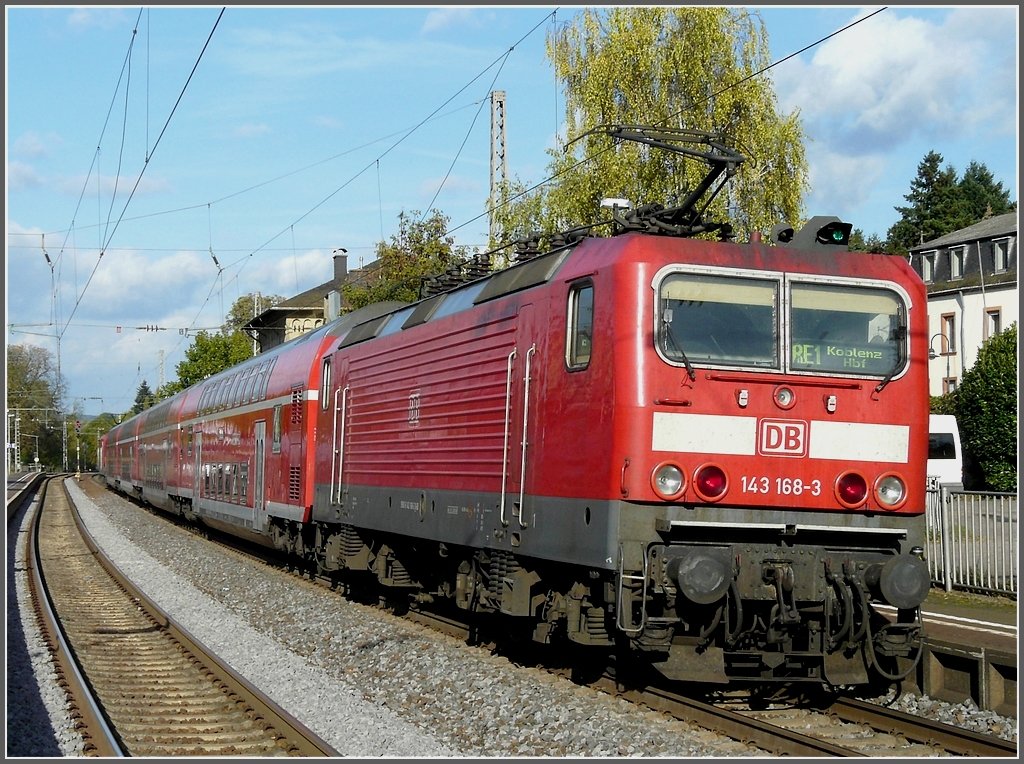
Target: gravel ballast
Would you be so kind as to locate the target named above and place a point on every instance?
(367, 682)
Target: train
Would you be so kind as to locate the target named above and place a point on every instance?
(704, 455)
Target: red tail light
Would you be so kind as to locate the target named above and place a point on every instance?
(851, 489)
(710, 482)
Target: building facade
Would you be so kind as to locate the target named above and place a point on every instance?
(971, 276)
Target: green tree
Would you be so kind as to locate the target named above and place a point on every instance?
(34, 392)
(871, 244)
(246, 308)
(144, 398)
(89, 438)
(212, 352)
(679, 67)
(421, 248)
(983, 196)
(985, 405)
(209, 354)
(938, 205)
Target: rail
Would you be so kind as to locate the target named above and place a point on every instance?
(972, 540)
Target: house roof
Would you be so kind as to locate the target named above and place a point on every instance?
(312, 299)
(989, 228)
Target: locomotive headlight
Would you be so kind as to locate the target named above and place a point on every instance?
(851, 489)
(890, 491)
(668, 481)
(784, 397)
(710, 482)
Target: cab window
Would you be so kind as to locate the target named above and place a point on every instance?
(581, 326)
(719, 320)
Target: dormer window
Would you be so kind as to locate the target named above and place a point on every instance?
(956, 263)
(999, 254)
(928, 267)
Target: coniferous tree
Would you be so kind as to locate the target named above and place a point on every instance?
(144, 398)
(984, 196)
(935, 208)
(940, 203)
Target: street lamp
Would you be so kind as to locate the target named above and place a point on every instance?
(932, 355)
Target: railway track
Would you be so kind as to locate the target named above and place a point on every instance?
(844, 727)
(141, 685)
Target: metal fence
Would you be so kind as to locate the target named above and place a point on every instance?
(972, 540)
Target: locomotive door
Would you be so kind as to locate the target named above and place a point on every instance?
(339, 406)
(259, 508)
(520, 385)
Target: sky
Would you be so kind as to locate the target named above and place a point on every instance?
(162, 162)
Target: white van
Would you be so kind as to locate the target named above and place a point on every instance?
(945, 457)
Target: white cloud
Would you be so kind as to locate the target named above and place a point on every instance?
(302, 51)
(328, 122)
(892, 78)
(104, 18)
(32, 144)
(840, 180)
(128, 283)
(22, 176)
(443, 18)
(250, 130)
(289, 275)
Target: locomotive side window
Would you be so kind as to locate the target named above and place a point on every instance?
(720, 320)
(325, 382)
(581, 326)
(846, 329)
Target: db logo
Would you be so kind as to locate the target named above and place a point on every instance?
(782, 437)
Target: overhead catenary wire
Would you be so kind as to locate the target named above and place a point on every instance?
(715, 94)
(399, 141)
(105, 247)
(138, 180)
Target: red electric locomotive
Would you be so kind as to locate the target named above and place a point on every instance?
(712, 453)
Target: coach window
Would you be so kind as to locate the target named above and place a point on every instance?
(266, 379)
(325, 382)
(276, 446)
(580, 330)
(243, 479)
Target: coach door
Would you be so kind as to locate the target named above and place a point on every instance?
(520, 396)
(197, 471)
(259, 505)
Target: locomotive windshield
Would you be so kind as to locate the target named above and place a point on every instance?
(720, 320)
(738, 321)
(845, 329)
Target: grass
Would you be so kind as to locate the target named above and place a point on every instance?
(969, 599)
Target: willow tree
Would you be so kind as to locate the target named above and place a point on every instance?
(693, 68)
